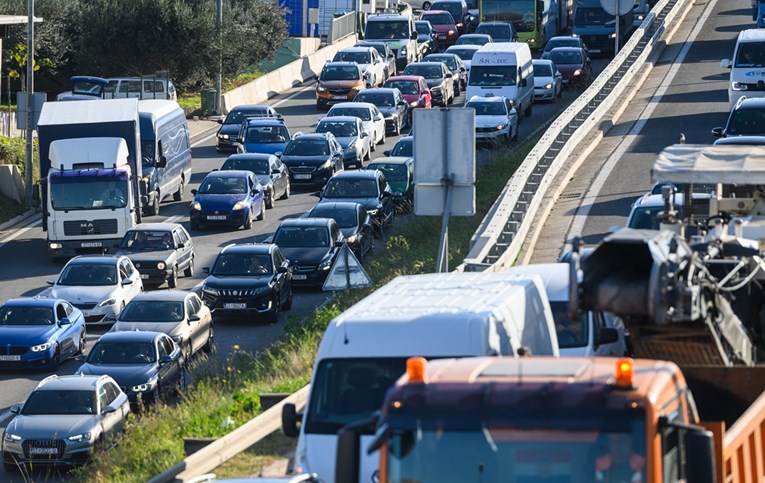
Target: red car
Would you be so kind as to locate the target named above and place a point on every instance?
(414, 88)
(443, 22)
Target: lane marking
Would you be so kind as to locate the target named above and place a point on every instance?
(577, 225)
(20, 231)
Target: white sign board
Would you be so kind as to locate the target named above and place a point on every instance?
(38, 99)
(624, 6)
(444, 147)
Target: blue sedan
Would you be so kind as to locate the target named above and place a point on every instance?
(39, 333)
(232, 198)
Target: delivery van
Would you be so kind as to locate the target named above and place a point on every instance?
(503, 69)
(747, 68)
(364, 349)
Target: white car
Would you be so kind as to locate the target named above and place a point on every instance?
(548, 81)
(371, 118)
(495, 119)
(369, 61)
(100, 286)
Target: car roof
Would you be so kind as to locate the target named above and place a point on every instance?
(751, 35)
(265, 121)
(156, 226)
(356, 174)
(430, 12)
(164, 295)
(253, 156)
(484, 36)
(542, 62)
(653, 201)
(130, 336)
(405, 77)
(356, 49)
(337, 205)
(228, 173)
(314, 135)
(368, 105)
(564, 37)
(426, 64)
(436, 55)
(341, 63)
(386, 16)
(69, 383)
(31, 302)
(369, 42)
(461, 46)
(749, 140)
(250, 107)
(248, 248)
(390, 160)
(751, 103)
(102, 259)
(566, 49)
(306, 222)
(493, 22)
(352, 119)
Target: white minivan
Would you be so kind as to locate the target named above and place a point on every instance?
(747, 68)
(503, 69)
(364, 349)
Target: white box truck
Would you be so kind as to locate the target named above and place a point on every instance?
(364, 349)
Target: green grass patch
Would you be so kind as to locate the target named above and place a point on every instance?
(192, 101)
(229, 390)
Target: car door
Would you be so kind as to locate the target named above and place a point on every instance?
(277, 178)
(337, 154)
(197, 335)
(379, 121)
(65, 332)
(111, 422)
(365, 228)
(136, 286)
(169, 373)
(277, 260)
(185, 247)
(182, 253)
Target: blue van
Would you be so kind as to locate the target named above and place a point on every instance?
(166, 152)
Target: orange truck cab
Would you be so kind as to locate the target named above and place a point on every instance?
(545, 420)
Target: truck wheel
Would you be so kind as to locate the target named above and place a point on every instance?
(178, 195)
(153, 209)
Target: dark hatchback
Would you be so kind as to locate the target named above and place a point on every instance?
(311, 245)
(353, 220)
(248, 280)
(313, 158)
(227, 198)
(391, 103)
(367, 187)
(161, 252)
(232, 124)
(271, 173)
(147, 365)
(399, 172)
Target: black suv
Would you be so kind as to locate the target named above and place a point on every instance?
(353, 220)
(312, 245)
(366, 187)
(248, 280)
(232, 124)
(313, 158)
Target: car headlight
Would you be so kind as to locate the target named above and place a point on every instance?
(79, 437)
(325, 264)
(41, 347)
(210, 290)
(577, 72)
(548, 86)
(414, 104)
(435, 90)
(501, 127)
(352, 239)
(326, 164)
(372, 212)
(402, 51)
(641, 17)
(239, 205)
(111, 301)
(321, 89)
(196, 206)
(358, 87)
(147, 386)
(574, 35)
(55, 246)
(739, 86)
(261, 290)
(612, 36)
(351, 147)
(12, 437)
(398, 193)
(161, 265)
(223, 136)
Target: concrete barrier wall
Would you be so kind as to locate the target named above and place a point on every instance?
(10, 182)
(283, 78)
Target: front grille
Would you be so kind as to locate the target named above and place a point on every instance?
(86, 227)
(759, 86)
(485, 129)
(87, 306)
(304, 269)
(248, 292)
(303, 169)
(339, 92)
(58, 444)
(93, 318)
(13, 351)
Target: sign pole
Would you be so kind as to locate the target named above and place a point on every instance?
(30, 106)
(618, 21)
(442, 262)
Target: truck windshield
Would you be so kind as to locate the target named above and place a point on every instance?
(433, 455)
(571, 333)
(492, 75)
(395, 29)
(87, 191)
(590, 16)
(520, 13)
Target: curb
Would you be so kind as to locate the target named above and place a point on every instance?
(18, 219)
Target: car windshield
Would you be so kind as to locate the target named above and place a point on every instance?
(492, 75)
(358, 57)
(472, 40)
(405, 147)
(543, 70)
(646, 218)
(423, 27)
(87, 274)
(454, 8)
(26, 315)
(388, 30)
(450, 61)
(406, 87)
(242, 265)
(464, 54)
(570, 333)
(426, 71)
(496, 31)
(443, 18)
(302, 236)
(62, 401)
(572, 57)
(266, 135)
(589, 16)
(238, 116)
(341, 129)
(553, 43)
(379, 47)
(109, 353)
(257, 166)
(360, 112)
(215, 185)
(487, 108)
(147, 241)
(340, 72)
(745, 122)
(350, 188)
(750, 54)
(307, 147)
(153, 311)
(378, 99)
(393, 172)
(345, 217)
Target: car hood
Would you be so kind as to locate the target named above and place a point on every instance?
(83, 294)
(24, 335)
(387, 110)
(443, 28)
(49, 426)
(394, 44)
(346, 141)
(397, 186)
(411, 97)
(140, 256)
(305, 160)
(368, 203)
(541, 81)
(568, 68)
(434, 82)
(265, 148)
(230, 129)
(237, 282)
(340, 84)
(264, 179)
(126, 375)
(219, 202)
(423, 37)
(490, 121)
(306, 255)
(169, 328)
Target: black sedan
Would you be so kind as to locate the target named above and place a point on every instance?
(248, 280)
(160, 251)
(367, 187)
(426, 37)
(147, 365)
(391, 104)
(311, 245)
(313, 158)
(231, 125)
(354, 222)
(269, 169)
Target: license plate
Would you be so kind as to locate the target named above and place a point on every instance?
(594, 51)
(216, 217)
(43, 450)
(340, 97)
(10, 358)
(144, 275)
(91, 244)
(298, 277)
(441, 36)
(302, 176)
(235, 306)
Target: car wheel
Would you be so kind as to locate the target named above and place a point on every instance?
(194, 225)
(273, 317)
(189, 272)
(367, 156)
(397, 132)
(183, 381)
(382, 141)
(286, 194)
(55, 362)
(516, 133)
(210, 344)
(153, 209)
(172, 282)
(529, 109)
(270, 200)
(187, 353)
(156, 395)
(178, 195)
(262, 214)
(288, 303)
(248, 220)
(81, 345)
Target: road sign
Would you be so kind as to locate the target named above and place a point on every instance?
(38, 98)
(346, 273)
(611, 6)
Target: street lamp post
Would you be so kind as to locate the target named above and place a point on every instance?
(30, 91)
(219, 75)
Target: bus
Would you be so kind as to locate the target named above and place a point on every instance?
(535, 21)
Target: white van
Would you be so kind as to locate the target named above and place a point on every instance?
(747, 68)
(364, 350)
(503, 69)
(593, 334)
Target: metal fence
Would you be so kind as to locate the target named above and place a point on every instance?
(8, 125)
(341, 27)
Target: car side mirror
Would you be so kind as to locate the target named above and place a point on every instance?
(109, 409)
(15, 409)
(206, 270)
(275, 171)
(161, 162)
(51, 281)
(166, 359)
(387, 194)
(387, 153)
(127, 281)
(700, 456)
(194, 192)
(290, 418)
(220, 121)
(282, 269)
(316, 194)
(278, 154)
(80, 358)
(64, 321)
(194, 318)
(725, 64)
(378, 118)
(364, 134)
(181, 245)
(523, 82)
(240, 140)
(339, 243)
(717, 132)
(414, 35)
(448, 75)
(608, 335)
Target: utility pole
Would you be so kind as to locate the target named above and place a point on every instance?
(30, 91)
(219, 76)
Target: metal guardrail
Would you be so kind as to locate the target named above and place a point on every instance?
(499, 238)
(228, 446)
(341, 27)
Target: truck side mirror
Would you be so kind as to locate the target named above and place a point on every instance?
(290, 420)
(699, 456)
(608, 335)
(161, 161)
(413, 36)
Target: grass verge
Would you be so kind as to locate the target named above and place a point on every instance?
(230, 390)
(192, 101)
(9, 209)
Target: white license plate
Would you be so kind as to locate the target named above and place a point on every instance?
(10, 358)
(302, 176)
(441, 36)
(144, 275)
(43, 450)
(594, 51)
(299, 277)
(91, 244)
(235, 306)
(216, 217)
(340, 97)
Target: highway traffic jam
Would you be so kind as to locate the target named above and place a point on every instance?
(531, 374)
